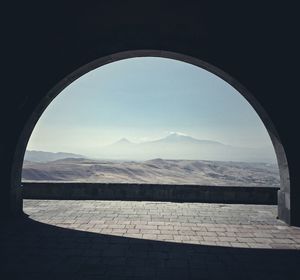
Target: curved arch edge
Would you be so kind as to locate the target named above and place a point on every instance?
(284, 206)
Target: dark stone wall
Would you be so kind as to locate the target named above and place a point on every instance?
(256, 43)
(151, 192)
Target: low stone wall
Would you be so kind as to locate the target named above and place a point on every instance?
(150, 192)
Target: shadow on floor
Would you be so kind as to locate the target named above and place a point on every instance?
(32, 250)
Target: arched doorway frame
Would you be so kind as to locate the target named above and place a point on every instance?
(284, 193)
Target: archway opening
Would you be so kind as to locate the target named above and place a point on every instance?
(153, 121)
(171, 133)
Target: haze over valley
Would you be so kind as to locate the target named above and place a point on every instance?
(180, 146)
(170, 160)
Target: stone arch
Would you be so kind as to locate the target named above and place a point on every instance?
(284, 193)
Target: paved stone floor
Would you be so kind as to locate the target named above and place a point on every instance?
(148, 240)
(233, 225)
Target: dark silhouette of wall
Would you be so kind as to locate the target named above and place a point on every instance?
(255, 44)
(150, 192)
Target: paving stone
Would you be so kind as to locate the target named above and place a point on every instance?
(130, 231)
(205, 233)
(150, 236)
(245, 239)
(259, 245)
(227, 239)
(222, 243)
(283, 241)
(210, 238)
(239, 245)
(262, 240)
(165, 237)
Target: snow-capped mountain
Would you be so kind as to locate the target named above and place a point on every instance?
(179, 146)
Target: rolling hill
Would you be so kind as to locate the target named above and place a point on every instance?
(156, 171)
(40, 156)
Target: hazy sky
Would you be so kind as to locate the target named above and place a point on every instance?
(145, 99)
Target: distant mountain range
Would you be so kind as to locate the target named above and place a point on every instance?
(175, 146)
(40, 156)
(178, 146)
(175, 159)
